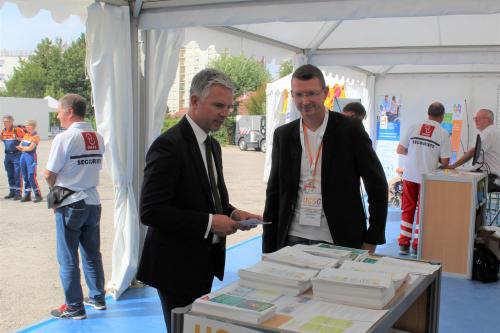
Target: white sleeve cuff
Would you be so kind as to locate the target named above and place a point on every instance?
(209, 225)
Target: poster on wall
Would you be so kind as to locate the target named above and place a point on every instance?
(452, 123)
(388, 132)
(388, 112)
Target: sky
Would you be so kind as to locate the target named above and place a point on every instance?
(18, 33)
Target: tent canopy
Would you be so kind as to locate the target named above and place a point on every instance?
(133, 49)
(375, 37)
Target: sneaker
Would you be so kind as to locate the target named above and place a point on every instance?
(413, 252)
(66, 312)
(403, 249)
(17, 197)
(37, 198)
(26, 198)
(96, 303)
(9, 196)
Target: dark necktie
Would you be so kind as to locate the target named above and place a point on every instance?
(211, 176)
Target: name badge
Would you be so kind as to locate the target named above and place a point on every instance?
(312, 203)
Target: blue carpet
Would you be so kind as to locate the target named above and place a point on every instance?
(466, 306)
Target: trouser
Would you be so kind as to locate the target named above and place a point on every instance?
(294, 240)
(28, 169)
(12, 166)
(77, 225)
(409, 203)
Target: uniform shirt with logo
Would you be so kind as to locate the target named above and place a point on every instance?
(490, 139)
(426, 142)
(28, 139)
(76, 157)
(12, 138)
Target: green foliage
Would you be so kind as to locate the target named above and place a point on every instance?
(247, 74)
(286, 68)
(28, 80)
(169, 122)
(256, 105)
(53, 69)
(225, 135)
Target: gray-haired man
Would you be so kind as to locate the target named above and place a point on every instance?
(184, 199)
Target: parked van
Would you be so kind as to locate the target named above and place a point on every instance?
(250, 132)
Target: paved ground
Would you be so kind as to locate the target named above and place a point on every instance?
(29, 279)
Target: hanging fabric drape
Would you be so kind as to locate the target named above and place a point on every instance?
(109, 65)
(163, 51)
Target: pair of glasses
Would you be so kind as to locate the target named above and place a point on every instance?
(308, 94)
(479, 118)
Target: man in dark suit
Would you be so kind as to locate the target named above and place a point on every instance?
(317, 161)
(184, 200)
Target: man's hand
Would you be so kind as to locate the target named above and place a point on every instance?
(449, 166)
(240, 215)
(370, 247)
(223, 225)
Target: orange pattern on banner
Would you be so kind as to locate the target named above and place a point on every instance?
(285, 101)
(337, 91)
(456, 134)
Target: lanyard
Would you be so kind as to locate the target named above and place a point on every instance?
(312, 165)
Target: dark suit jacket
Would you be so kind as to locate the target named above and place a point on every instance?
(347, 156)
(175, 204)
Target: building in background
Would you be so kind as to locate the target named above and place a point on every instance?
(192, 59)
(8, 61)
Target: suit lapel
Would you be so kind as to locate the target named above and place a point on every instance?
(326, 155)
(295, 154)
(195, 152)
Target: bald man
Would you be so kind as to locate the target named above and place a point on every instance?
(490, 139)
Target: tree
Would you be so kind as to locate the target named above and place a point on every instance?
(246, 73)
(53, 69)
(256, 105)
(286, 68)
(28, 80)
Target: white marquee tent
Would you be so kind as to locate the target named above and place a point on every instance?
(133, 48)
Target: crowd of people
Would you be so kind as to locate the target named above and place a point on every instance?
(313, 195)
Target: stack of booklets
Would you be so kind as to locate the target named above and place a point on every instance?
(364, 289)
(285, 279)
(414, 267)
(334, 251)
(244, 304)
(296, 257)
(399, 275)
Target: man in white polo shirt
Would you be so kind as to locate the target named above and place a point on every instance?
(426, 145)
(490, 139)
(73, 167)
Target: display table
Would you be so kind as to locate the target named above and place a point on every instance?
(415, 308)
(451, 208)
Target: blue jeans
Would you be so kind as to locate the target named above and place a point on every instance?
(13, 168)
(28, 164)
(77, 225)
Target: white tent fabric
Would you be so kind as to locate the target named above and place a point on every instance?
(162, 59)
(376, 37)
(52, 102)
(109, 64)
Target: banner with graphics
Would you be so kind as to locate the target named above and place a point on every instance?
(388, 132)
(452, 123)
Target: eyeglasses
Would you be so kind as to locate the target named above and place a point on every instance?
(475, 118)
(308, 94)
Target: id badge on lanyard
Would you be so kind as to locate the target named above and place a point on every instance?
(311, 205)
